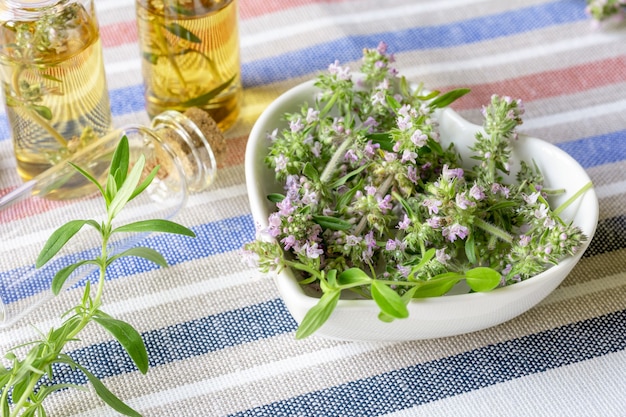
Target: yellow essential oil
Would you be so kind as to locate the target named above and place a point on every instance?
(190, 56)
(53, 81)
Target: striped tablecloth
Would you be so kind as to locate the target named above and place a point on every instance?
(219, 337)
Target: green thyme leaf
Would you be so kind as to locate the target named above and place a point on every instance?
(182, 32)
(482, 279)
(388, 300)
(106, 395)
(142, 252)
(155, 225)
(58, 239)
(438, 285)
(383, 139)
(448, 98)
(151, 57)
(275, 197)
(145, 183)
(43, 111)
(331, 278)
(50, 77)
(332, 223)
(341, 181)
(310, 172)
(352, 277)
(120, 161)
(204, 99)
(318, 314)
(128, 337)
(63, 274)
(470, 249)
(88, 176)
(123, 194)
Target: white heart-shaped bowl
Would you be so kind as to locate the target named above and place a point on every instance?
(448, 315)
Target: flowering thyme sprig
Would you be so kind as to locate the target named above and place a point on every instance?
(373, 203)
(603, 9)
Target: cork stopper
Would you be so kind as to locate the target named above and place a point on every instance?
(211, 132)
(196, 143)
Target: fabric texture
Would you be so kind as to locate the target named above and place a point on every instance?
(220, 340)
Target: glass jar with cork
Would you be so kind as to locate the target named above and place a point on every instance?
(187, 147)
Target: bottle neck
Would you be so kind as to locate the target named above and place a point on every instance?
(183, 136)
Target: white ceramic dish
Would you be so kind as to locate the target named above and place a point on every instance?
(433, 317)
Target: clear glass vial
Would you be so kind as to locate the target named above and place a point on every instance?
(179, 143)
(53, 81)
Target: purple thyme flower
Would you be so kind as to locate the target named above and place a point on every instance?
(477, 193)
(442, 256)
(408, 156)
(463, 202)
(274, 223)
(281, 162)
(419, 138)
(351, 156)
(370, 149)
(404, 224)
(312, 115)
(285, 207)
(312, 250)
(289, 242)
(296, 125)
(434, 222)
(273, 135)
(378, 98)
(384, 204)
(411, 174)
(450, 173)
(342, 73)
(454, 232)
(432, 205)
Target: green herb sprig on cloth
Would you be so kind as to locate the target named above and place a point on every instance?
(373, 203)
(27, 382)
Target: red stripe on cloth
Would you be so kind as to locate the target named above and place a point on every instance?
(30, 207)
(548, 83)
(253, 8)
(119, 34)
(26, 208)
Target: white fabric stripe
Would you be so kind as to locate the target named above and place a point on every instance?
(148, 301)
(193, 201)
(576, 390)
(107, 5)
(382, 13)
(516, 55)
(610, 190)
(257, 373)
(573, 116)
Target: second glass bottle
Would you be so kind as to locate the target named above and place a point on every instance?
(190, 56)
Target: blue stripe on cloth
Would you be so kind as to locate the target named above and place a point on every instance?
(458, 374)
(123, 101)
(186, 340)
(211, 239)
(318, 57)
(389, 391)
(597, 150)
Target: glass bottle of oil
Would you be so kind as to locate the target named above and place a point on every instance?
(53, 82)
(190, 56)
